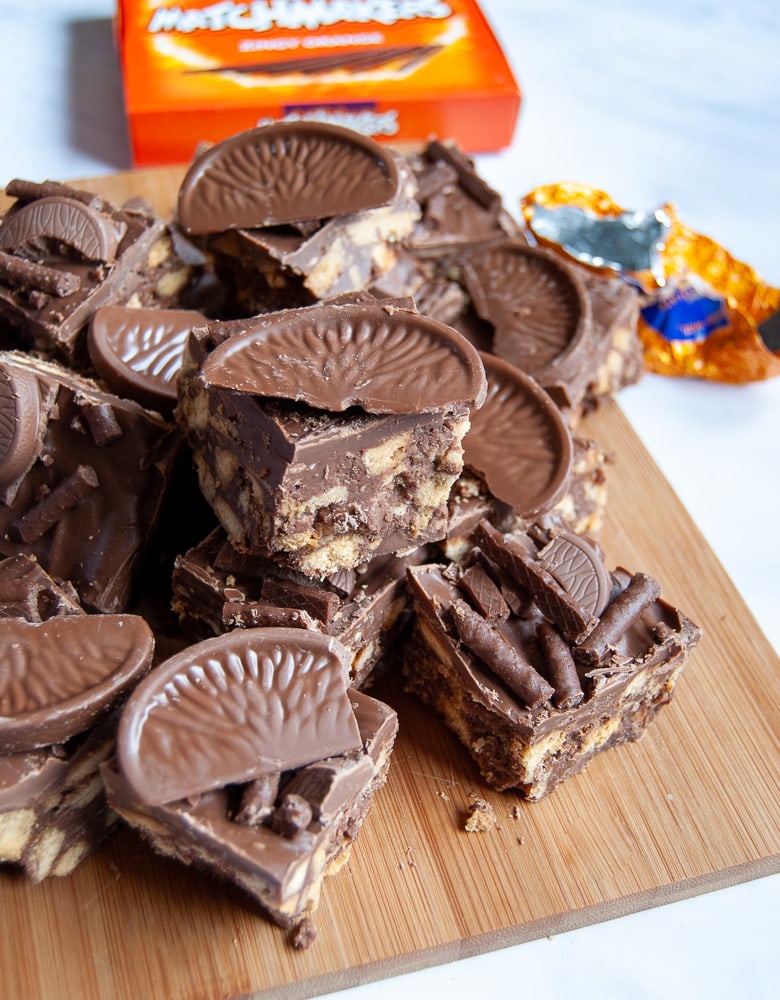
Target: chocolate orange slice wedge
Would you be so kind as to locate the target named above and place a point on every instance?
(284, 173)
(233, 708)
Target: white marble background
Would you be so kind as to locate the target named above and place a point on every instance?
(674, 100)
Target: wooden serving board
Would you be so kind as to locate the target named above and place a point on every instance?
(690, 808)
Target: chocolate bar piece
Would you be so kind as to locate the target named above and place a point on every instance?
(583, 661)
(297, 211)
(62, 673)
(266, 781)
(83, 476)
(329, 435)
(216, 588)
(64, 252)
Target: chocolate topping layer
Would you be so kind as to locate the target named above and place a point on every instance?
(519, 442)
(282, 173)
(57, 677)
(230, 709)
(334, 357)
(138, 352)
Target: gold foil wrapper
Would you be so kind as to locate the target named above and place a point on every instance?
(692, 267)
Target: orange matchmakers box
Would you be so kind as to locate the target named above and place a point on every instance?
(401, 71)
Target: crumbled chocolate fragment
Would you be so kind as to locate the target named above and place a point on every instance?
(317, 602)
(484, 594)
(262, 614)
(292, 816)
(257, 800)
(505, 660)
(304, 934)
(481, 816)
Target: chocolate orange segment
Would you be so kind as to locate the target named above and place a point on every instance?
(138, 352)
(518, 441)
(284, 173)
(234, 708)
(579, 569)
(19, 424)
(535, 303)
(65, 220)
(57, 677)
(335, 357)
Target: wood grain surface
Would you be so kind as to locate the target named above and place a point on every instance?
(690, 808)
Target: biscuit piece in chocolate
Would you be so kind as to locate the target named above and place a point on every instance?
(286, 756)
(83, 476)
(329, 435)
(216, 588)
(65, 252)
(530, 703)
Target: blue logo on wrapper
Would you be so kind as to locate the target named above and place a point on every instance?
(682, 313)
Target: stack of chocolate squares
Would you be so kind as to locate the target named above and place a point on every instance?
(379, 381)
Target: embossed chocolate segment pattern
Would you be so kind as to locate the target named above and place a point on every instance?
(58, 677)
(63, 220)
(335, 357)
(138, 352)
(518, 441)
(284, 173)
(234, 708)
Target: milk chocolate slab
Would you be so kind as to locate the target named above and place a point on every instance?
(283, 173)
(324, 490)
(233, 708)
(279, 863)
(137, 352)
(88, 494)
(216, 588)
(66, 252)
(601, 694)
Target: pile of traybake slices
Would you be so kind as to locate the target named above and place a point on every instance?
(321, 424)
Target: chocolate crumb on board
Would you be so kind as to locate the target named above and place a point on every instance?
(481, 816)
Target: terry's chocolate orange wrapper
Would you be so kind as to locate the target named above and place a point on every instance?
(705, 313)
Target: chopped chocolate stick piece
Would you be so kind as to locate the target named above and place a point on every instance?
(617, 618)
(101, 420)
(319, 603)
(257, 800)
(484, 594)
(32, 190)
(555, 603)
(67, 494)
(292, 816)
(33, 276)
(505, 660)
(262, 614)
(561, 668)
